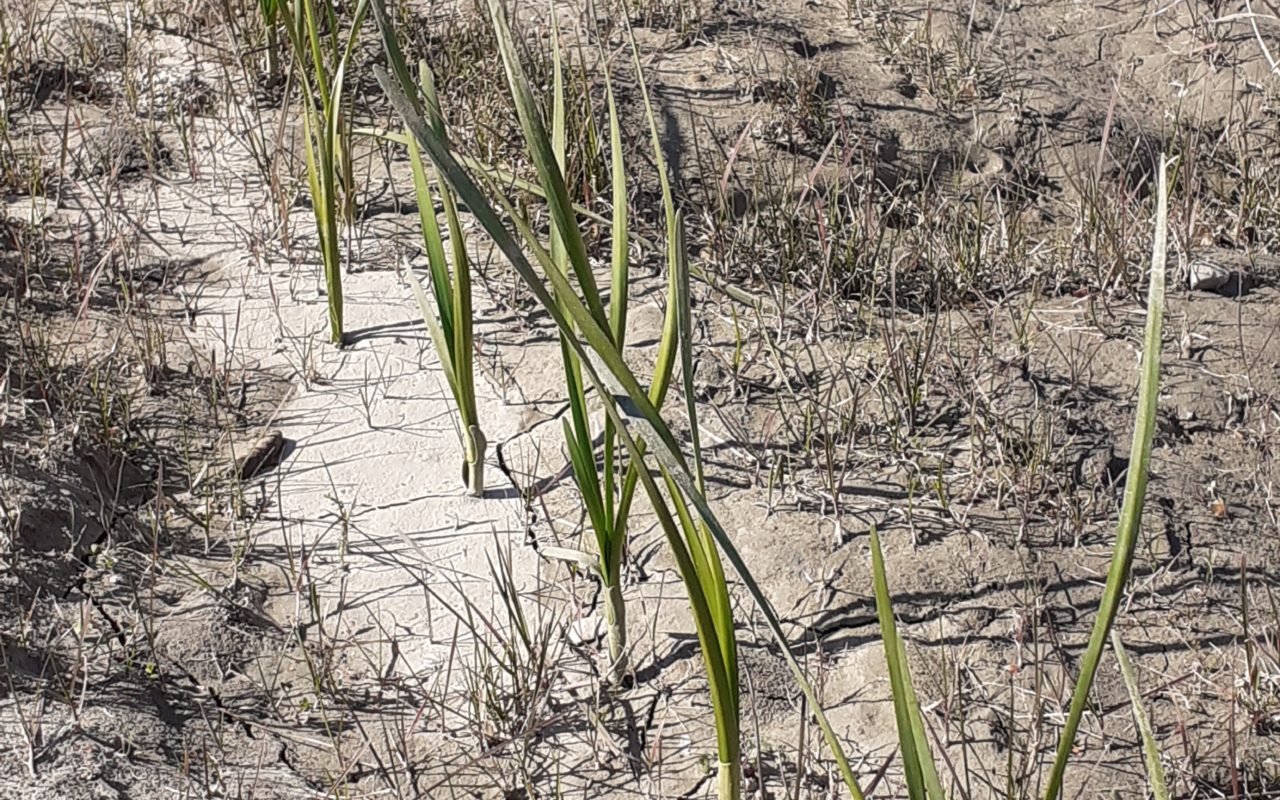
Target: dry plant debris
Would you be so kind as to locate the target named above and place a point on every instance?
(234, 560)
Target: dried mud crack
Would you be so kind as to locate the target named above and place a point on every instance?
(235, 560)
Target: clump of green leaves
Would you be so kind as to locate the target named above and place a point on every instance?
(697, 539)
(448, 312)
(321, 59)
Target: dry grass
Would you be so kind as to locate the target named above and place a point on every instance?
(941, 344)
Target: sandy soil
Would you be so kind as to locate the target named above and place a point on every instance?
(342, 620)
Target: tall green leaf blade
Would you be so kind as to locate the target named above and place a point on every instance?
(545, 162)
(721, 676)
(559, 135)
(438, 335)
(924, 754)
(395, 56)
(432, 241)
(1135, 488)
(583, 463)
(619, 289)
(620, 256)
(462, 335)
(715, 584)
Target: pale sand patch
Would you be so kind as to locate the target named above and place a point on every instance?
(370, 486)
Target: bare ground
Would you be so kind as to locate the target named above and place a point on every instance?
(943, 214)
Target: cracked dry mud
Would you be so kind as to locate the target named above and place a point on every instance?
(304, 632)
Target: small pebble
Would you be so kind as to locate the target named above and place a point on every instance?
(1206, 276)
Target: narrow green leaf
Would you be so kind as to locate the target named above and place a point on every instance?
(620, 280)
(542, 154)
(433, 243)
(924, 754)
(438, 336)
(1150, 752)
(619, 290)
(894, 658)
(583, 463)
(1135, 488)
(462, 335)
(711, 633)
(715, 585)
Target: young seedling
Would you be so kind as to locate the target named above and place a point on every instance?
(321, 63)
(449, 317)
(918, 766)
(700, 565)
(608, 508)
(595, 482)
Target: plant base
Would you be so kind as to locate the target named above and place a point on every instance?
(615, 616)
(729, 781)
(473, 466)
